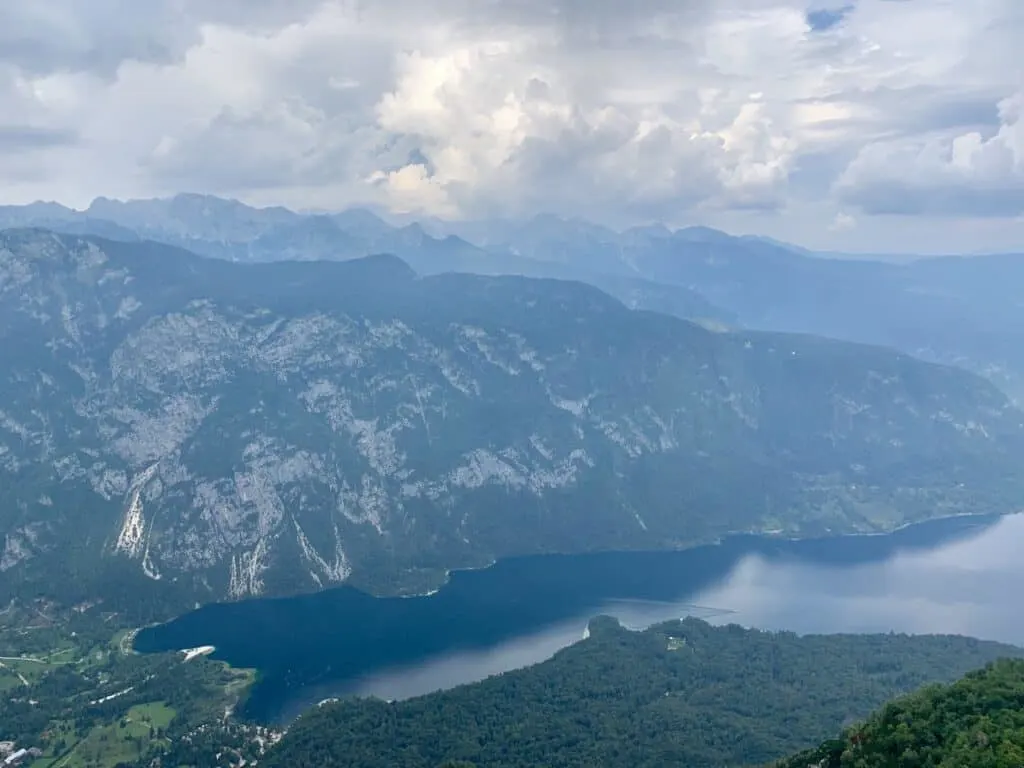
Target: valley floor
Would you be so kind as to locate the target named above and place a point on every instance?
(74, 695)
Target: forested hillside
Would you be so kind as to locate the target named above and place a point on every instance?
(682, 693)
(978, 722)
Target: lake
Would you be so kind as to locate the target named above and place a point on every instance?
(957, 575)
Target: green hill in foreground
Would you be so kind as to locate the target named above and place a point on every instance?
(681, 693)
(977, 722)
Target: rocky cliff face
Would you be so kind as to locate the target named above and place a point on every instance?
(230, 430)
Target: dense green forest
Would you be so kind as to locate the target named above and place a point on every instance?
(978, 722)
(681, 693)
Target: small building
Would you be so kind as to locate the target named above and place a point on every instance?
(16, 757)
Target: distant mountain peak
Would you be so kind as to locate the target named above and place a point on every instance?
(657, 230)
(703, 234)
(41, 208)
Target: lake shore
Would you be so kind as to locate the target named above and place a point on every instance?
(775, 535)
(519, 611)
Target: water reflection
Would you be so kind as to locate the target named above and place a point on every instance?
(452, 669)
(964, 586)
(954, 576)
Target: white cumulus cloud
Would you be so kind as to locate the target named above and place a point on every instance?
(790, 117)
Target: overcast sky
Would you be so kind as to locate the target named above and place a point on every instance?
(874, 124)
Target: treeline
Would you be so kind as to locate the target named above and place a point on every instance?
(978, 722)
(682, 693)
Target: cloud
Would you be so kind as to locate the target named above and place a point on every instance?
(49, 36)
(17, 138)
(946, 174)
(777, 114)
(843, 221)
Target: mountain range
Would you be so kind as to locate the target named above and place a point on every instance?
(227, 229)
(219, 429)
(964, 311)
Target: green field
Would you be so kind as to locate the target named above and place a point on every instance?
(71, 686)
(124, 741)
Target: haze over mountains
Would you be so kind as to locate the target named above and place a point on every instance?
(965, 311)
(642, 309)
(227, 429)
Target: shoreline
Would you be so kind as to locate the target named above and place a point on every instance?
(888, 531)
(127, 642)
(448, 573)
(983, 521)
(194, 653)
(773, 535)
(776, 535)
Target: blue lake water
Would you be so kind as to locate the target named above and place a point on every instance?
(959, 575)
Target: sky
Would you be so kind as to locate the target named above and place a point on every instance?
(850, 125)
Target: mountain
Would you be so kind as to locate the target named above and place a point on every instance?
(682, 693)
(219, 430)
(955, 310)
(960, 310)
(977, 722)
(191, 217)
(228, 229)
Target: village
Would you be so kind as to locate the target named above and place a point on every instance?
(11, 754)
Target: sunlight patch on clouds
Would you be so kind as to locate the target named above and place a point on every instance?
(626, 112)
